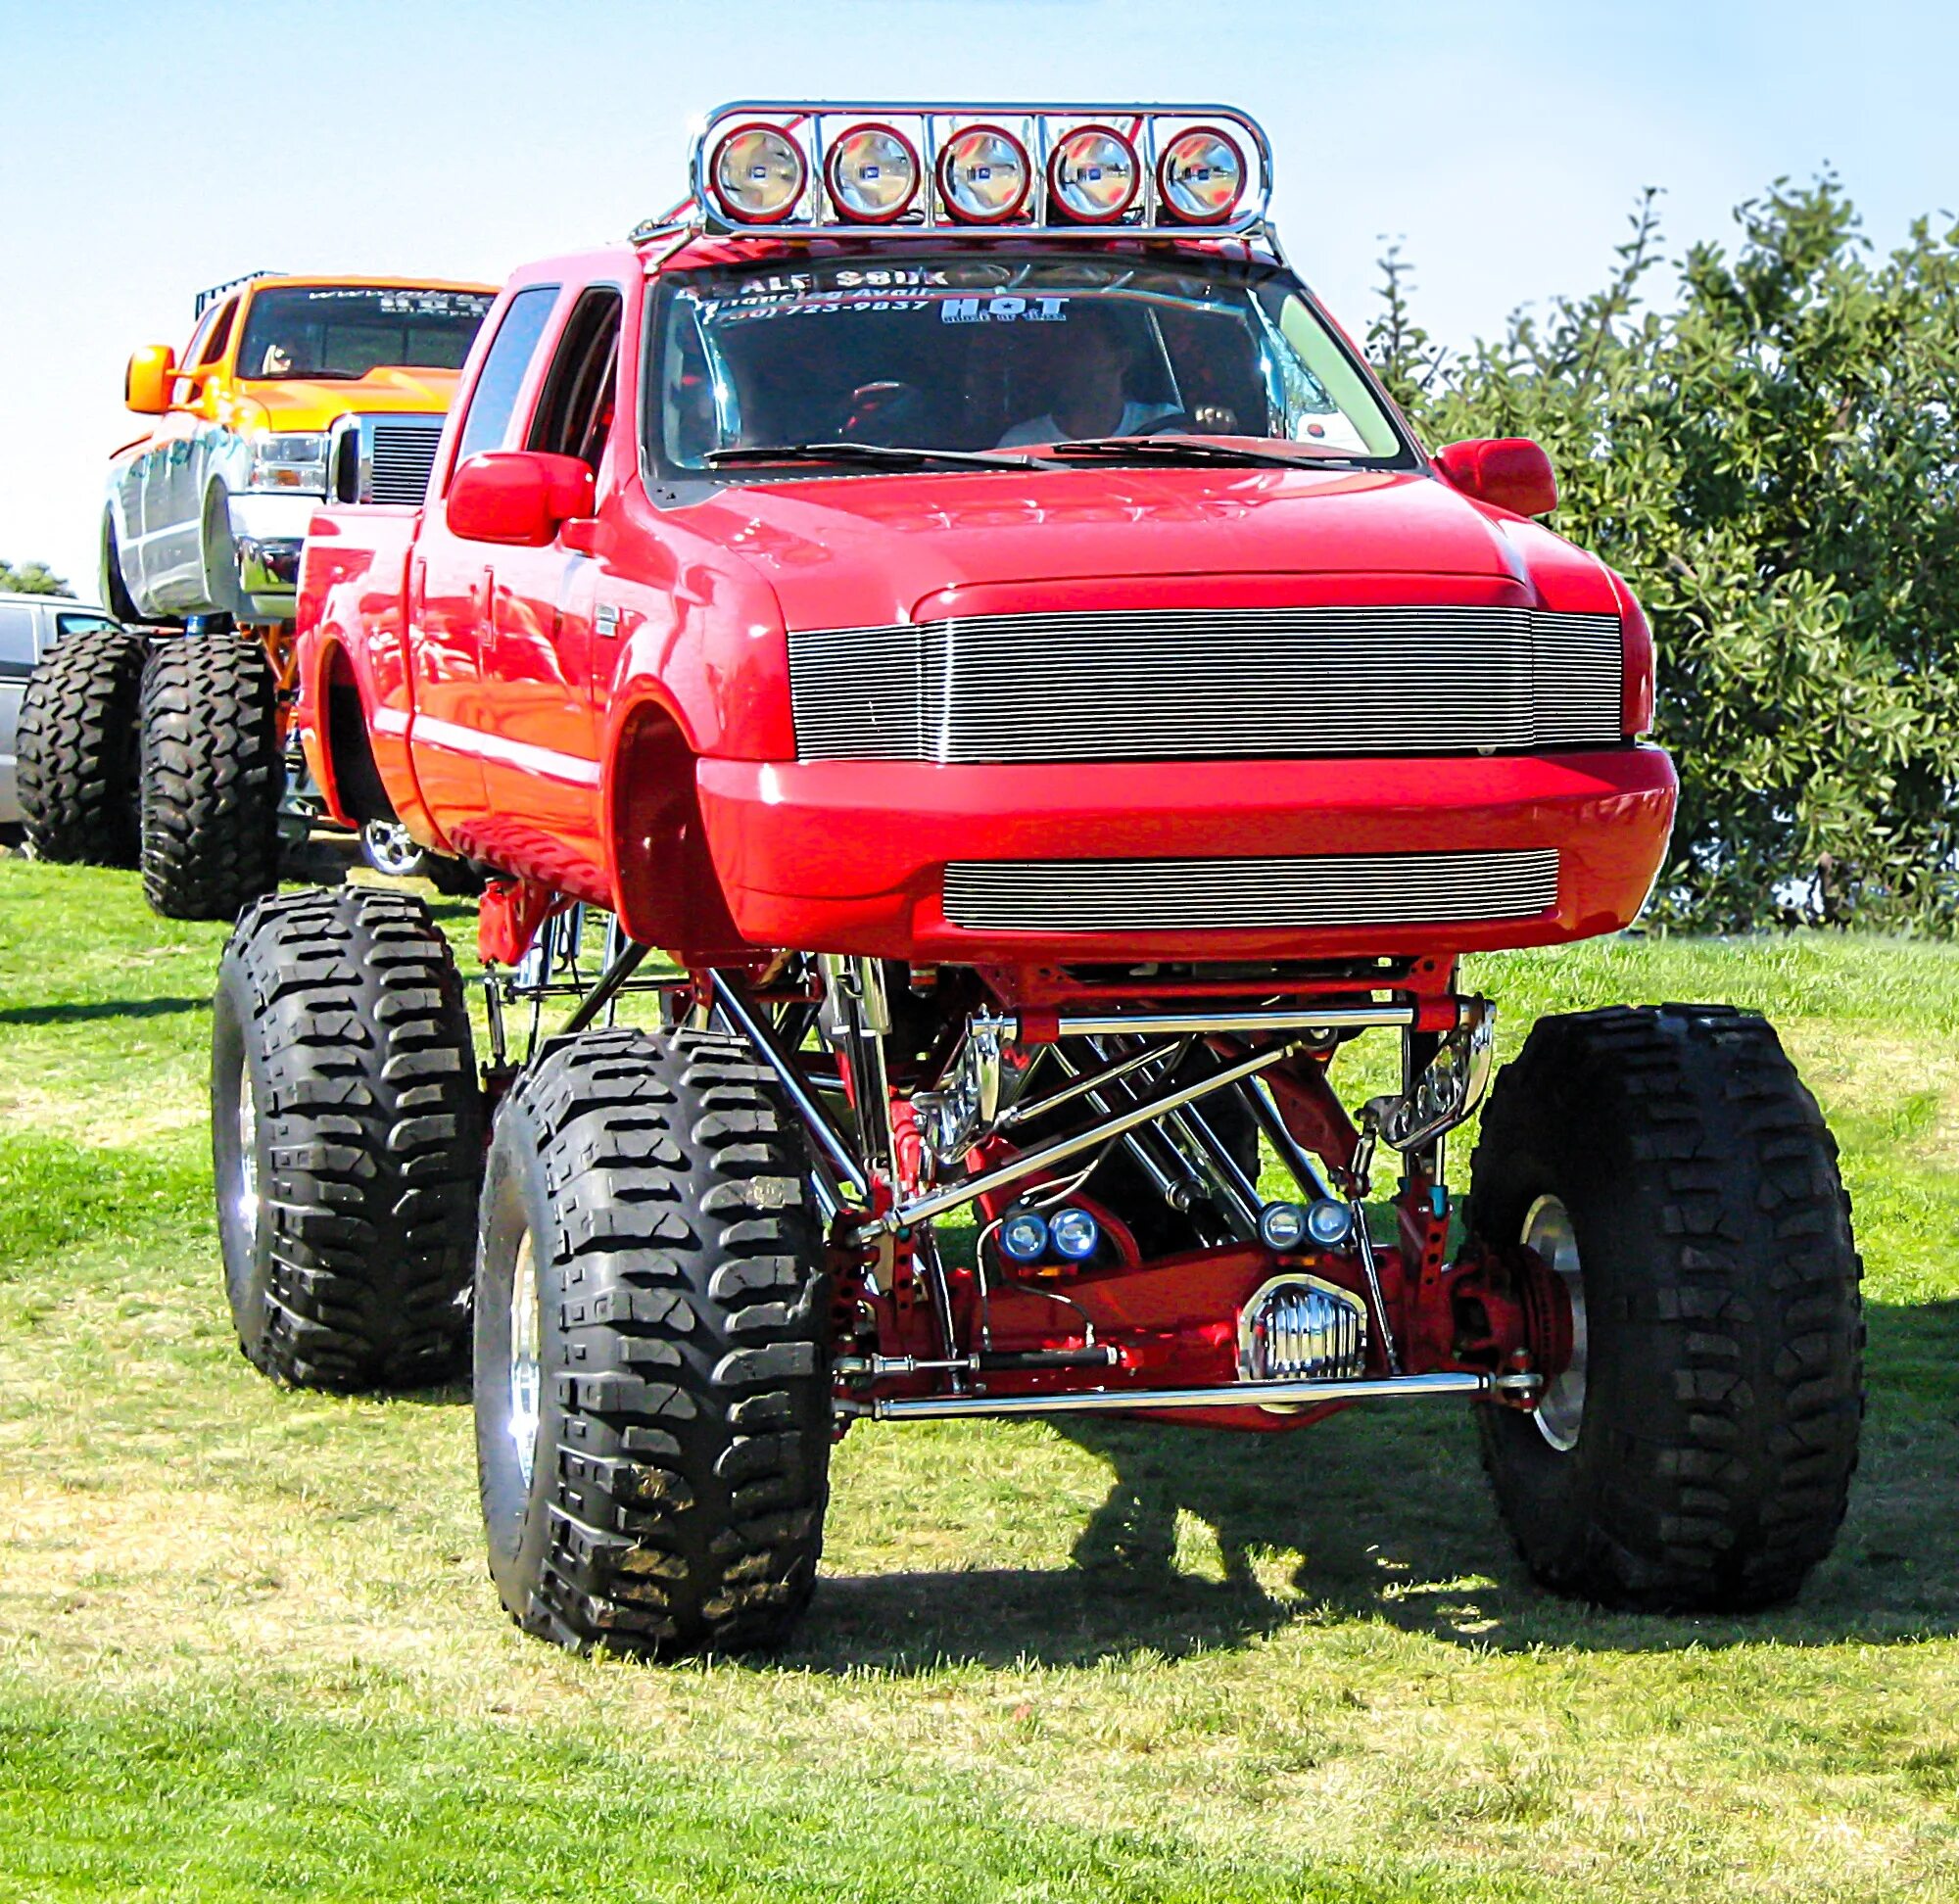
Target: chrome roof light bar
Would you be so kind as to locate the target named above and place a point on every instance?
(786, 169)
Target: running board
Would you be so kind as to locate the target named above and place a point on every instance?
(1228, 1395)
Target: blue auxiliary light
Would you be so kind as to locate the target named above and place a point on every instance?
(1281, 1225)
(1024, 1235)
(1329, 1221)
(1074, 1233)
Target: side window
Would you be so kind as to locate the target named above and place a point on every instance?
(494, 394)
(17, 641)
(80, 624)
(575, 412)
(220, 335)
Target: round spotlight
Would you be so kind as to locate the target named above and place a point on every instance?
(984, 175)
(1074, 1233)
(873, 173)
(1329, 1221)
(1024, 1236)
(1201, 176)
(1093, 176)
(757, 176)
(1281, 1225)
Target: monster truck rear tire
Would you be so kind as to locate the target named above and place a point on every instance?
(1670, 1163)
(211, 775)
(652, 1387)
(347, 1140)
(75, 750)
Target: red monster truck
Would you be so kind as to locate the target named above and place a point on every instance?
(951, 589)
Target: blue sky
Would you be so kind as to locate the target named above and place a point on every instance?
(148, 150)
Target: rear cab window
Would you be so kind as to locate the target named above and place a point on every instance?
(575, 411)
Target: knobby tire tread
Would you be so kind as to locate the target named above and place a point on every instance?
(211, 775)
(375, 1148)
(1742, 1327)
(691, 1468)
(75, 754)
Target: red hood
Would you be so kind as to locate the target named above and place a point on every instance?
(864, 551)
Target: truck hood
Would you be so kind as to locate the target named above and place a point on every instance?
(868, 551)
(300, 403)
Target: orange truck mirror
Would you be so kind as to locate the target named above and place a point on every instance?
(146, 386)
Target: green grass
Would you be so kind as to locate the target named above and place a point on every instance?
(247, 1649)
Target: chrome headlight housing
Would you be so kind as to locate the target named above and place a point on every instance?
(288, 460)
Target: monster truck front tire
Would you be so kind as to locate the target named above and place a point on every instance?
(75, 750)
(347, 1140)
(213, 774)
(1668, 1164)
(652, 1388)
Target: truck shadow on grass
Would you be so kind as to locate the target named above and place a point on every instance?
(100, 1008)
(1212, 1541)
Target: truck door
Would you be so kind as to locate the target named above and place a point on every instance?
(537, 641)
(176, 468)
(450, 584)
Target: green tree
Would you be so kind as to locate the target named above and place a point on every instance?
(31, 578)
(1771, 461)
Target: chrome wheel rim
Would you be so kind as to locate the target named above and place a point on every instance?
(1560, 1412)
(526, 1363)
(245, 1199)
(391, 848)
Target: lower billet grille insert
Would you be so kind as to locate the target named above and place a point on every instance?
(1324, 890)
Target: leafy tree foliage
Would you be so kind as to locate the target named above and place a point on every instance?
(30, 578)
(1770, 459)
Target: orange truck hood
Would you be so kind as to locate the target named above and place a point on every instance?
(303, 404)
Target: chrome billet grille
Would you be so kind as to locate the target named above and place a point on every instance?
(1207, 683)
(1324, 890)
(400, 457)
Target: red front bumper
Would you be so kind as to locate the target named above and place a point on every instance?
(850, 856)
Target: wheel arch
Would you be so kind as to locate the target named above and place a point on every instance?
(665, 888)
(115, 592)
(344, 763)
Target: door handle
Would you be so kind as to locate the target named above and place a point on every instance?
(483, 604)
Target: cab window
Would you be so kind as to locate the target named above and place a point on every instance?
(220, 336)
(575, 412)
(494, 394)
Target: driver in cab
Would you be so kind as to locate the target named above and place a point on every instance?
(1092, 370)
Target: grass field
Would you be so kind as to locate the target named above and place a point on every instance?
(248, 1648)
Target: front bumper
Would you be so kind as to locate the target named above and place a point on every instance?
(267, 531)
(851, 856)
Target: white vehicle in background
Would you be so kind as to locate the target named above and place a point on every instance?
(30, 625)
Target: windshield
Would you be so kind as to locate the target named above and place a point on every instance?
(338, 330)
(970, 354)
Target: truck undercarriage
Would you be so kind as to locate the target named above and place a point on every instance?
(821, 1189)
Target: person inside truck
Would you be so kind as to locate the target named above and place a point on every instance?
(1091, 385)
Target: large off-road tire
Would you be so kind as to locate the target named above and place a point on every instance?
(1669, 1166)
(652, 1387)
(211, 775)
(76, 748)
(347, 1140)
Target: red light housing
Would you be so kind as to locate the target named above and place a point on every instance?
(863, 165)
(1093, 175)
(758, 173)
(1201, 176)
(985, 175)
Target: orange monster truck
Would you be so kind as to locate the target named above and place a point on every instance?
(293, 391)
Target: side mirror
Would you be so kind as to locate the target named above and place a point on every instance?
(146, 384)
(517, 496)
(1511, 472)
